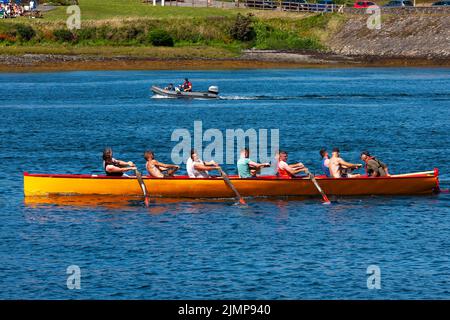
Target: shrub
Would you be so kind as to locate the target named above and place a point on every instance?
(24, 32)
(6, 38)
(269, 37)
(242, 28)
(63, 35)
(105, 33)
(87, 33)
(160, 38)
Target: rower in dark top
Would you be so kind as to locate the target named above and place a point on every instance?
(115, 167)
(374, 167)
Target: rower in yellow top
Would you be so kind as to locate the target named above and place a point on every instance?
(114, 167)
(158, 169)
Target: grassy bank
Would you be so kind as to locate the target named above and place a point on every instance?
(196, 52)
(129, 27)
(111, 9)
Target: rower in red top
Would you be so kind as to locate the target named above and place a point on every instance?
(187, 85)
(288, 171)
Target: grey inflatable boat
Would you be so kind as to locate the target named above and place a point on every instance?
(213, 93)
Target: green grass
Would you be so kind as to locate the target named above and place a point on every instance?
(107, 9)
(179, 52)
(125, 25)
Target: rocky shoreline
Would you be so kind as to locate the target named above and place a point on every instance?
(248, 59)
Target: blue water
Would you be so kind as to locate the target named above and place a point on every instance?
(272, 249)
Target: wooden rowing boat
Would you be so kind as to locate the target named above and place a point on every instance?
(266, 186)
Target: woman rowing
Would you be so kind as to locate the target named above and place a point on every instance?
(115, 167)
(197, 168)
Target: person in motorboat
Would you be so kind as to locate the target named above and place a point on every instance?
(288, 171)
(248, 168)
(374, 167)
(325, 162)
(170, 87)
(158, 169)
(339, 168)
(114, 167)
(196, 168)
(187, 85)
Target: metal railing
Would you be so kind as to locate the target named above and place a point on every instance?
(310, 7)
(294, 6)
(261, 4)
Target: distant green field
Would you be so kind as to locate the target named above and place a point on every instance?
(107, 9)
(127, 26)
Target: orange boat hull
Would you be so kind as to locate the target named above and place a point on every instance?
(184, 187)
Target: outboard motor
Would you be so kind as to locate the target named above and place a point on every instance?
(213, 89)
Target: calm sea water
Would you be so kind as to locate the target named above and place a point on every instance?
(272, 249)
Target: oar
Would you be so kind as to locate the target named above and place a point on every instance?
(412, 174)
(229, 184)
(324, 196)
(143, 187)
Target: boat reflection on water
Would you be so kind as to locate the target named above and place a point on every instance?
(109, 202)
(157, 205)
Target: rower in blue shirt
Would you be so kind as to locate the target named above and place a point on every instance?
(325, 162)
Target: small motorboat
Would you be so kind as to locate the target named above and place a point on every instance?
(212, 93)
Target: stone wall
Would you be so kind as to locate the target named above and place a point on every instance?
(400, 35)
(404, 10)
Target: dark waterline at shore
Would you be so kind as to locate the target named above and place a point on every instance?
(253, 60)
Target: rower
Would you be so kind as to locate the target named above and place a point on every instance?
(115, 167)
(158, 169)
(288, 171)
(374, 167)
(248, 168)
(325, 162)
(187, 85)
(339, 167)
(196, 168)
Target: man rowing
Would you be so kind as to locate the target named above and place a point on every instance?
(288, 171)
(339, 167)
(248, 168)
(114, 167)
(374, 167)
(196, 168)
(158, 169)
(325, 162)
